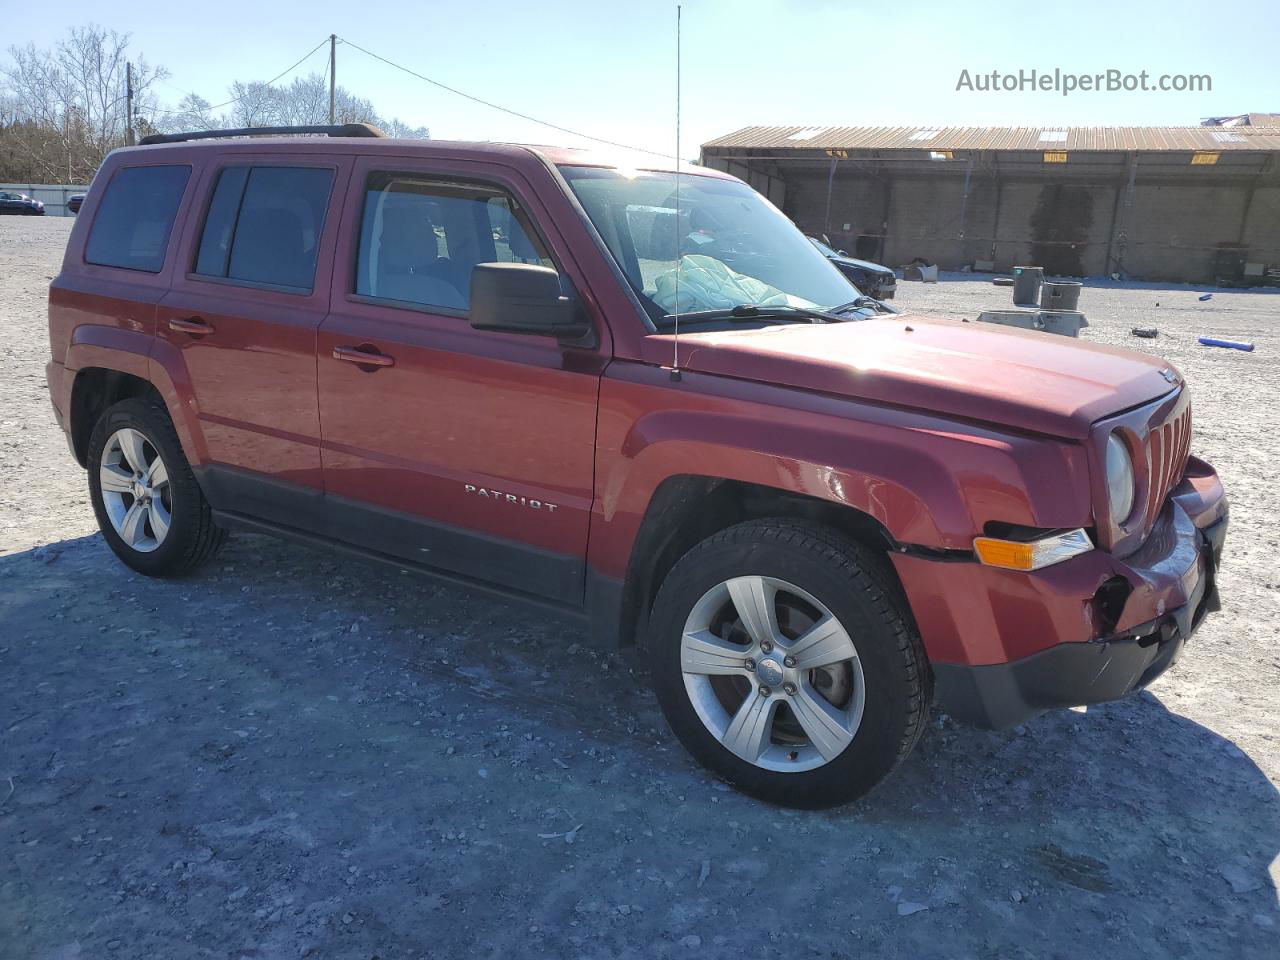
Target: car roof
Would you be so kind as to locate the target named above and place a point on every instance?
(613, 158)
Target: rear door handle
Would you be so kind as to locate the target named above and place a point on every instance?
(367, 356)
(192, 325)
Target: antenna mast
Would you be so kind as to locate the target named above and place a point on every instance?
(675, 312)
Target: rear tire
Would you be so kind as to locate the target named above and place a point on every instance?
(150, 508)
(837, 689)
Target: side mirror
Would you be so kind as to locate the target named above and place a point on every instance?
(523, 298)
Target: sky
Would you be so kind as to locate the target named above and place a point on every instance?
(609, 69)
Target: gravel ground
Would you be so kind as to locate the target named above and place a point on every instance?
(295, 755)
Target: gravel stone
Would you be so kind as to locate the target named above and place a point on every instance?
(1160, 812)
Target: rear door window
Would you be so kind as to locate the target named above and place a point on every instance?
(135, 217)
(420, 238)
(264, 225)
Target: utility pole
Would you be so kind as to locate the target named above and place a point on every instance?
(128, 103)
(333, 71)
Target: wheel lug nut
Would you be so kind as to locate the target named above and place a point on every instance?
(750, 664)
(790, 689)
(788, 661)
(766, 646)
(765, 691)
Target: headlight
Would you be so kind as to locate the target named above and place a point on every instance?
(1120, 482)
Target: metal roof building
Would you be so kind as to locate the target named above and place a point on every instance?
(1189, 203)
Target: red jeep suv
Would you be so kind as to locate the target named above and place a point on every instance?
(643, 397)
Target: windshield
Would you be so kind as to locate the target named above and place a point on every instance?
(735, 247)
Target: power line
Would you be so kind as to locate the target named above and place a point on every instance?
(227, 103)
(287, 70)
(174, 86)
(430, 80)
(499, 107)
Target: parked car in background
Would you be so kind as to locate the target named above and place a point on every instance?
(74, 202)
(872, 279)
(20, 203)
(462, 359)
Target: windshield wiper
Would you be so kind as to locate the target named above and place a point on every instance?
(749, 312)
(861, 303)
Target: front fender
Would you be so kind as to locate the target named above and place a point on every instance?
(928, 481)
(804, 458)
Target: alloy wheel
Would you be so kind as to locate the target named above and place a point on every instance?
(772, 674)
(135, 490)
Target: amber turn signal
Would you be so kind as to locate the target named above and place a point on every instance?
(1033, 555)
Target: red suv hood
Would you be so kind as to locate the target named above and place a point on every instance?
(1032, 381)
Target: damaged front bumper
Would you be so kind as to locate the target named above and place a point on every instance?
(1006, 646)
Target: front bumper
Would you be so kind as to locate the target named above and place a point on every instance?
(1006, 646)
(1075, 674)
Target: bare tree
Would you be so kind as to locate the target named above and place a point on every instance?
(74, 95)
(395, 127)
(253, 105)
(193, 112)
(63, 109)
(304, 101)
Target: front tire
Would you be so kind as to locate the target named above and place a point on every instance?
(786, 662)
(150, 509)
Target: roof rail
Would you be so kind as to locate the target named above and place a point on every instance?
(336, 130)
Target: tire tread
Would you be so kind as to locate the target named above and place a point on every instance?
(206, 538)
(870, 574)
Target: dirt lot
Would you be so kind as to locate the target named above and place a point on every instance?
(298, 755)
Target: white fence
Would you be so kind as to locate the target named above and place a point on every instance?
(52, 195)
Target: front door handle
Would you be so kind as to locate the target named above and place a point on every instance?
(366, 355)
(192, 325)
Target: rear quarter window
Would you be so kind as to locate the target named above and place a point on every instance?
(133, 222)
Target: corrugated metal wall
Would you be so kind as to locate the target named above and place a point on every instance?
(1152, 216)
